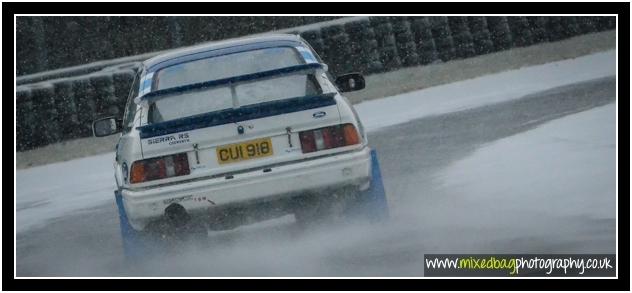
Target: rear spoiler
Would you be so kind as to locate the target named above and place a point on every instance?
(231, 80)
(231, 115)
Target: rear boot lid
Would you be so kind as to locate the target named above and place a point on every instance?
(248, 137)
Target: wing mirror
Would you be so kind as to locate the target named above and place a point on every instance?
(350, 82)
(106, 126)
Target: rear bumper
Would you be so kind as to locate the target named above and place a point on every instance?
(352, 168)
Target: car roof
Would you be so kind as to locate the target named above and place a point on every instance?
(244, 42)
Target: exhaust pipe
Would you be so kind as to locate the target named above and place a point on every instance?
(177, 215)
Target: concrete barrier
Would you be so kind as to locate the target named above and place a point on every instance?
(64, 108)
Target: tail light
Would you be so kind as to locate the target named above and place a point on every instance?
(328, 138)
(160, 168)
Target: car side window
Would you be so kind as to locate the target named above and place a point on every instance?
(131, 107)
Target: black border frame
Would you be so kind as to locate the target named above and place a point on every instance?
(621, 9)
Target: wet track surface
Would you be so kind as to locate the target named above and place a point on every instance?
(425, 216)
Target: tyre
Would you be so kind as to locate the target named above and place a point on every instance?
(322, 208)
(227, 218)
(348, 204)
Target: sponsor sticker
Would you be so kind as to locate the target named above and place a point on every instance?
(307, 55)
(146, 83)
(170, 139)
(177, 199)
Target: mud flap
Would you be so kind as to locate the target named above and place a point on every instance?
(134, 244)
(375, 193)
(372, 203)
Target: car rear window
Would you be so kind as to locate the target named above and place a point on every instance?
(209, 100)
(225, 66)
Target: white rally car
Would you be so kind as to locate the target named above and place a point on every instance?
(236, 131)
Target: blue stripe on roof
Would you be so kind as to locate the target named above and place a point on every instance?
(243, 113)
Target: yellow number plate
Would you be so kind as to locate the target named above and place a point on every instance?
(247, 150)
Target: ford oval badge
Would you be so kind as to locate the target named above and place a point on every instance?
(319, 114)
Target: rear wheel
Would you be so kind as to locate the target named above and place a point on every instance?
(310, 209)
(324, 208)
(366, 206)
(348, 203)
(225, 219)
